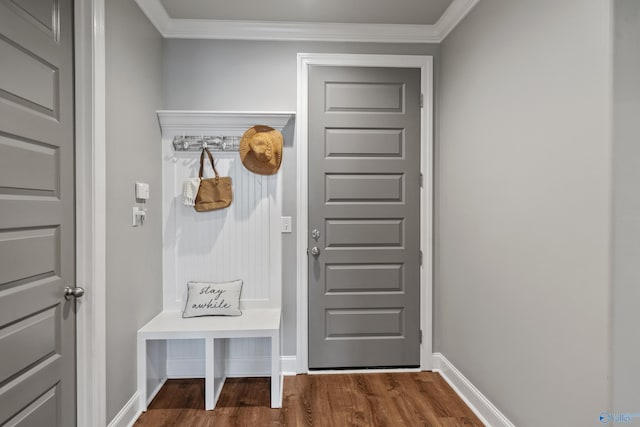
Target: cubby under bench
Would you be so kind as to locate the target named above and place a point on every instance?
(214, 330)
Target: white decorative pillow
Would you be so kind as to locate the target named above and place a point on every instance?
(213, 299)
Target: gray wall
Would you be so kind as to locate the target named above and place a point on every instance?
(134, 260)
(626, 207)
(523, 209)
(240, 75)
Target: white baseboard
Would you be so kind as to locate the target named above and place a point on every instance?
(289, 365)
(361, 371)
(128, 414)
(185, 368)
(236, 367)
(155, 391)
(248, 367)
(478, 402)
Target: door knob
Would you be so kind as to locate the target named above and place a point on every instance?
(76, 292)
(315, 251)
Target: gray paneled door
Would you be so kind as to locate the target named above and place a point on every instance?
(37, 251)
(364, 217)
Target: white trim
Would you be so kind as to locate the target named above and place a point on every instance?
(156, 13)
(425, 64)
(128, 414)
(153, 394)
(90, 211)
(362, 371)
(475, 400)
(236, 367)
(304, 31)
(193, 367)
(451, 17)
(242, 367)
(289, 365)
(224, 122)
(300, 31)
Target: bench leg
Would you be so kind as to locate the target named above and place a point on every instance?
(276, 374)
(142, 374)
(209, 389)
(215, 374)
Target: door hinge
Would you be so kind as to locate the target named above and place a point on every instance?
(420, 258)
(421, 100)
(420, 336)
(421, 180)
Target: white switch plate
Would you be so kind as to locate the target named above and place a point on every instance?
(134, 216)
(138, 216)
(286, 224)
(142, 191)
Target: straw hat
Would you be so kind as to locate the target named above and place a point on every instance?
(261, 150)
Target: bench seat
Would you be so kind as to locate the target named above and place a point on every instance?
(253, 323)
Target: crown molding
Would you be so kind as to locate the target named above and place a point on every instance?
(305, 31)
(229, 123)
(156, 13)
(451, 17)
(300, 31)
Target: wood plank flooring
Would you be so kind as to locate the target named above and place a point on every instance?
(390, 399)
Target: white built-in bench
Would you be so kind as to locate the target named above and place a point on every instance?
(240, 242)
(214, 330)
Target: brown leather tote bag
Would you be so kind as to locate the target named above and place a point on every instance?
(213, 193)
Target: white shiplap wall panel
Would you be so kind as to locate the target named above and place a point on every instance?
(227, 244)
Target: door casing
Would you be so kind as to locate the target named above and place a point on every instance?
(90, 98)
(425, 64)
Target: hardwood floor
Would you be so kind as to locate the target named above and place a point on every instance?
(394, 399)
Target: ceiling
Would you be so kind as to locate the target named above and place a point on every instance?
(416, 12)
(376, 21)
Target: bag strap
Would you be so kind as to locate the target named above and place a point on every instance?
(212, 163)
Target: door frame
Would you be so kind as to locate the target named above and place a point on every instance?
(425, 64)
(90, 125)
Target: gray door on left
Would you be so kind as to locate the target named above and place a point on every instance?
(37, 250)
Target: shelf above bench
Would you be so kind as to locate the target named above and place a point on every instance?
(228, 123)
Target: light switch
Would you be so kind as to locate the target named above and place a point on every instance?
(286, 224)
(142, 191)
(138, 216)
